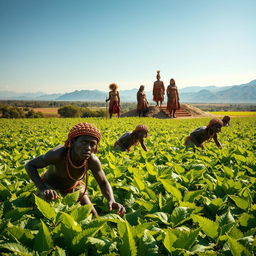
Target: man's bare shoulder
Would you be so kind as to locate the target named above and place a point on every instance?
(93, 159)
(55, 154)
(93, 162)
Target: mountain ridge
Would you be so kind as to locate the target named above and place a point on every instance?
(243, 93)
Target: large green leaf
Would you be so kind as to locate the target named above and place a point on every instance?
(79, 241)
(24, 236)
(69, 222)
(112, 218)
(185, 239)
(71, 198)
(147, 245)
(225, 218)
(180, 214)
(162, 216)
(151, 169)
(247, 220)
(45, 208)
(43, 240)
(147, 205)
(169, 240)
(171, 189)
(17, 249)
(58, 251)
(4, 193)
(128, 246)
(235, 247)
(139, 182)
(209, 227)
(240, 202)
(190, 196)
(81, 212)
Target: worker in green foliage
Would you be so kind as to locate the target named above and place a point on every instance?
(69, 164)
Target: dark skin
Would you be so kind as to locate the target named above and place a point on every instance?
(212, 133)
(134, 138)
(82, 148)
(115, 98)
(156, 83)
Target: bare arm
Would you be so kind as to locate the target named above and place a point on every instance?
(178, 94)
(138, 97)
(143, 145)
(215, 138)
(105, 187)
(167, 92)
(41, 162)
(108, 97)
(118, 98)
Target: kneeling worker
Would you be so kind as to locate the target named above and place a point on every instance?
(69, 164)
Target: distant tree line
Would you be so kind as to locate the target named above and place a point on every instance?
(65, 111)
(57, 104)
(76, 111)
(226, 107)
(17, 112)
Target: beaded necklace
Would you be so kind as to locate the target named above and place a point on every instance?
(84, 166)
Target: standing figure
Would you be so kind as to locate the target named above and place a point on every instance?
(158, 90)
(205, 133)
(114, 100)
(142, 103)
(132, 139)
(226, 120)
(68, 164)
(173, 98)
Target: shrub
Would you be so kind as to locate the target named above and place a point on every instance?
(69, 111)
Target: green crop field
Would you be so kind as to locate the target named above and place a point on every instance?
(178, 202)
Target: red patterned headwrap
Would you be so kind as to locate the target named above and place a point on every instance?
(141, 127)
(82, 129)
(214, 122)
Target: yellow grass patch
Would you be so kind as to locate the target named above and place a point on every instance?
(241, 113)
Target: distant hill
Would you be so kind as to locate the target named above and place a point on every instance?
(83, 95)
(244, 93)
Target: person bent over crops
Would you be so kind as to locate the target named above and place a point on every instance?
(205, 133)
(69, 164)
(132, 139)
(226, 120)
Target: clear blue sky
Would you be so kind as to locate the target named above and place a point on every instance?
(62, 46)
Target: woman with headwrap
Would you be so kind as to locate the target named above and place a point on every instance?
(205, 133)
(69, 164)
(129, 139)
(114, 100)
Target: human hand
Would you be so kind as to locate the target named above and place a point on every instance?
(49, 194)
(118, 207)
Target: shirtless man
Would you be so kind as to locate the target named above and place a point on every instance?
(68, 164)
(132, 138)
(158, 90)
(205, 133)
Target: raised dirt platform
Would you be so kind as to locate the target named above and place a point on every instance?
(185, 110)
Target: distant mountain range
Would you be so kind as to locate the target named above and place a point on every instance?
(244, 93)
